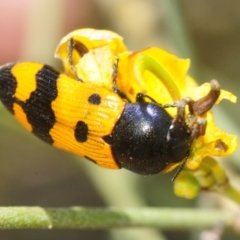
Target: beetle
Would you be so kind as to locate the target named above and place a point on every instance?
(101, 124)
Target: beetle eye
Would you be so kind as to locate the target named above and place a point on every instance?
(178, 129)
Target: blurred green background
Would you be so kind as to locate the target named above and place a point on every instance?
(33, 173)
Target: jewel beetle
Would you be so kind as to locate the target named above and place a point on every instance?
(101, 124)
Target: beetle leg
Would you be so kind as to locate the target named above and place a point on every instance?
(114, 80)
(140, 98)
(168, 105)
(120, 93)
(70, 48)
(198, 124)
(115, 72)
(181, 105)
(199, 128)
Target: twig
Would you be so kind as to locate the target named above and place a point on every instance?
(106, 218)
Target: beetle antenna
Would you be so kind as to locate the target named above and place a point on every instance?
(180, 168)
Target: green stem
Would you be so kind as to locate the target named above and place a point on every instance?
(106, 218)
(230, 192)
(218, 180)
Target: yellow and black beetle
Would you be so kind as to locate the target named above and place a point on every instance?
(100, 124)
(94, 122)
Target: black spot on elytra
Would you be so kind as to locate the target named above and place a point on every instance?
(81, 131)
(94, 99)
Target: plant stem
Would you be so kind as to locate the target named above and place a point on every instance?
(231, 193)
(106, 218)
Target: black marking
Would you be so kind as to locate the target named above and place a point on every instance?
(81, 131)
(94, 99)
(8, 85)
(38, 107)
(90, 159)
(121, 94)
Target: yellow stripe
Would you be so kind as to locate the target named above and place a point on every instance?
(26, 82)
(21, 117)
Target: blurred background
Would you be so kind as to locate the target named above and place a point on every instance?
(35, 174)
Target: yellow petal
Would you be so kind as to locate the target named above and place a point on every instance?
(215, 142)
(97, 67)
(154, 72)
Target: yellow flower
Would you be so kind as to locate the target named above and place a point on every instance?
(92, 55)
